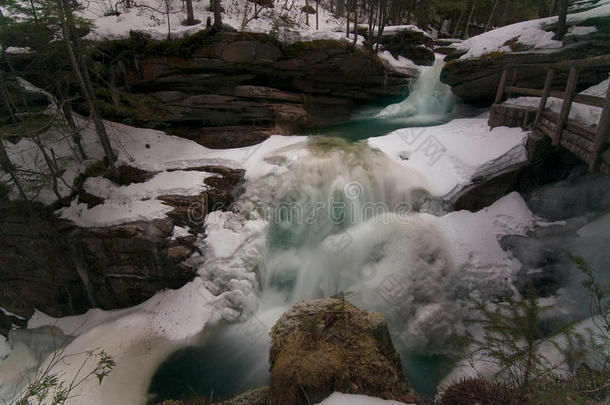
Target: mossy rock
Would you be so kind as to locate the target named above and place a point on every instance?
(326, 345)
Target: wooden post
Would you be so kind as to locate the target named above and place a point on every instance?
(501, 87)
(550, 75)
(566, 106)
(513, 80)
(603, 134)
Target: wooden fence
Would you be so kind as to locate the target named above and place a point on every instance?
(588, 143)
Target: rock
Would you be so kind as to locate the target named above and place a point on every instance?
(326, 345)
(476, 80)
(8, 322)
(62, 269)
(242, 87)
(411, 43)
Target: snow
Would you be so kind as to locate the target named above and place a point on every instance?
(133, 202)
(338, 398)
(401, 64)
(529, 33)
(585, 114)
(151, 18)
(444, 153)
(17, 50)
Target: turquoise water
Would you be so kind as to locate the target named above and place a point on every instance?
(300, 262)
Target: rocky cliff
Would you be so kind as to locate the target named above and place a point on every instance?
(475, 79)
(52, 265)
(226, 89)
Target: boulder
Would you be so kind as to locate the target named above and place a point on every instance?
(476, 80)
(242, 87)
(61, 269)
(326, 345)
(410, 42)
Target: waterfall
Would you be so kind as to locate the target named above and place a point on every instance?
(429, 99)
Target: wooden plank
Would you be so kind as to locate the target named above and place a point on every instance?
(581, 98)
(592, 62)
(582, 154)
(577, 140)
(548, 132)
(547, 124)
(513, 79)
(551, 116)
(589, 100)
(548, 82)
(603, 133)
(582, 130)
(501, 86)
(523, 90)
(567, 104)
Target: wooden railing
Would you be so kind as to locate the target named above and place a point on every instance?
(569, 96)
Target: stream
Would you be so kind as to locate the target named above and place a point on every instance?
(339, 222)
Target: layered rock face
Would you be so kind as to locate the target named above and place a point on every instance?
(325, 345)
(476, 80)
(50, 264)
(410, 42)
(233, 89)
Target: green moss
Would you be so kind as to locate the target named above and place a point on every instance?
(517, 46)
(493, 55)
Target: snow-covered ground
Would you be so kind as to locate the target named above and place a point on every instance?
(142, 336)
(350, 399)
(531, 34)
(150, 16)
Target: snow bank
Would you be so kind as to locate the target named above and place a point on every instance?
(529, 33)
(450, 156)
(350, 399)
(151, 18)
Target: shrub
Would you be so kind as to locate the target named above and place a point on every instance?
(477, 391)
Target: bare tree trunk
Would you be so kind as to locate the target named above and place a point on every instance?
(8, 167)
(34, 14)
(306, 13)
(563, 16)
(459, 21)
(53, 169)
(97, 121)
(217, 15)
(466, 36)
(6, 97)
(69, 118)
(347, 18)
(382, 21)
(168, 5)
(355, 23)
(317, 15)
(190, 14)
(553, 7)
(492, 15)
(543, 10)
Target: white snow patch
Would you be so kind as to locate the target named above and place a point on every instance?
(449, 156)
(529, 33)
(338, 398)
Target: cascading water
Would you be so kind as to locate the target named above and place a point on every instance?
(342, 217)
(429, 103)
(429, 100)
